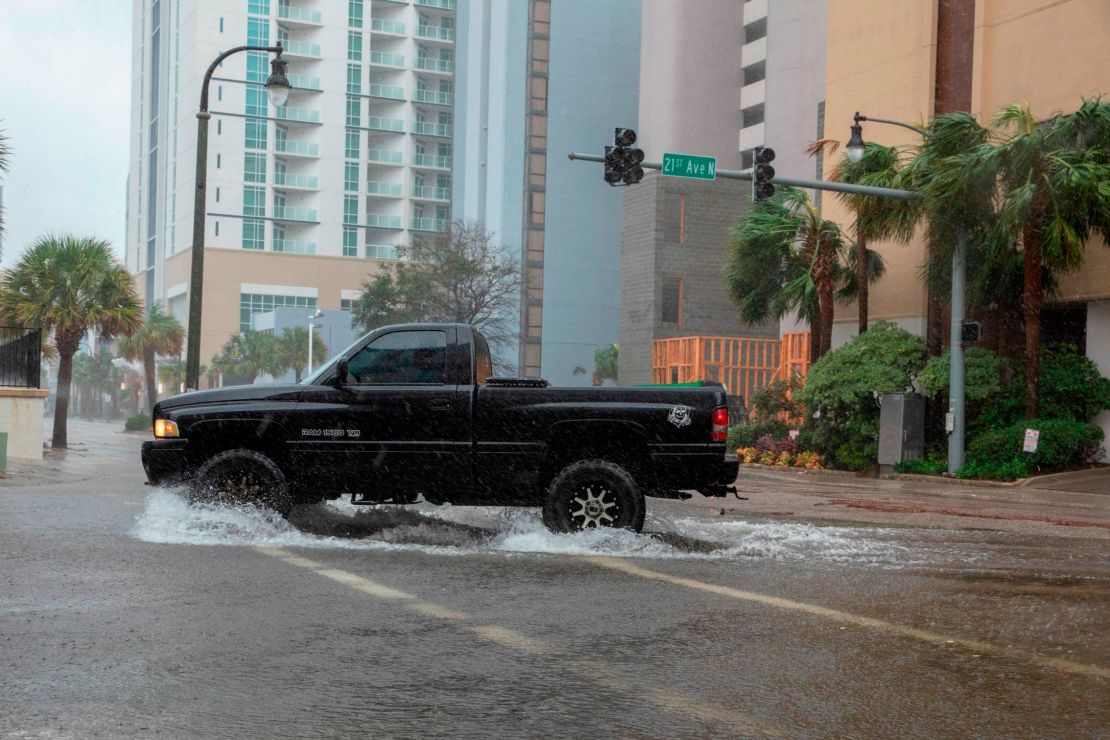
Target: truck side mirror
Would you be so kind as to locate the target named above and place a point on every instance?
(341, 372)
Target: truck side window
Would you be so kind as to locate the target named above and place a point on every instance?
(483, 365)
(402, 358)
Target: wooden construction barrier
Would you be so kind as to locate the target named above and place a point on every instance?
(744, 365)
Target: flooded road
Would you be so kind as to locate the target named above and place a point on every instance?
(125, 612)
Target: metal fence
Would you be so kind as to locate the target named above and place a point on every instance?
(20, 357)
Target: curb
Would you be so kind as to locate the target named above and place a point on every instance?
(819, 473)
(971, 482)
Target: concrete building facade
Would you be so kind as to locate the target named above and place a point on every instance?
(929, 56)
(304, 201)
(719, 78)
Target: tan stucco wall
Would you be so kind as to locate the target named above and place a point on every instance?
(881, 61)
(225, 270)
(21, 420)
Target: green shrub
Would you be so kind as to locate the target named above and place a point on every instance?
(1071, 385)
(137, 423)
(1011, 470)
(775, 399)
(982, 379)
(842, 391)
(746, 435)
(924, 466)
(1062, 443)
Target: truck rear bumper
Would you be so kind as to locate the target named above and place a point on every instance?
(709, 472)
(166, 461)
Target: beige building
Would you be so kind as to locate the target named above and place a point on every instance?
(909, 59)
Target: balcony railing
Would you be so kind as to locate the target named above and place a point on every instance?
(438, 4)
(381, 252)
(387, 59)
(296, 181)
(303, 15)
(384, 26)
(382, 221)
(435, 33)
(303, 115)
(301, 48)
(433, 96)
(288, 146)
(289, 213)
(304, 82)
(431, 160)
(392, 92)
(431, 193)
(380, 123)
(430, 128)
(294, 246)
(385, 156)
(428, 64)
(376, 187)
(429, 224)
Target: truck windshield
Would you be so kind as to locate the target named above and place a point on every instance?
(309, 380)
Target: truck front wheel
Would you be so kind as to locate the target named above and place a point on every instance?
(590, 494)
(240, 477)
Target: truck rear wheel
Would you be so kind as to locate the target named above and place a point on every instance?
(590, 494)
(240, 477)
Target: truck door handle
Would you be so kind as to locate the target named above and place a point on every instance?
(440, 406)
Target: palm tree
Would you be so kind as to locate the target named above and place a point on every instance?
(784, 257)
(1037, 189)
(172, 373)
(875, 219)
(67, 285)
(246, 356)
(160, 334)
(5, 158)
(292, 349)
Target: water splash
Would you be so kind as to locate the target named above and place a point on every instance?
(461, 530)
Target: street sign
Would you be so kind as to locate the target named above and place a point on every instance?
(1032, 437)
(689, 165)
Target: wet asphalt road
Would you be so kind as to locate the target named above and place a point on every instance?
(126, 613)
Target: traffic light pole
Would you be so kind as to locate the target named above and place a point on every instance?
(799, 182)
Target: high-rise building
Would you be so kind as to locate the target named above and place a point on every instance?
(910, 61)
(539, 79)
(306, 200)
(719, 78)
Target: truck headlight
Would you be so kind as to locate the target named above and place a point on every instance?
(165, 428)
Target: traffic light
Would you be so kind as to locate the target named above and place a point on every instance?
(622, 162)
(762, 174)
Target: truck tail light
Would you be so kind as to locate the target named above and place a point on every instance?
(720, 424)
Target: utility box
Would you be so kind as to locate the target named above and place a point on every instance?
(901, 428)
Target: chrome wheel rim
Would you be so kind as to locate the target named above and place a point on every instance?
(593, 506)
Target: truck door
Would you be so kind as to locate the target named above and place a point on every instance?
(398, 425)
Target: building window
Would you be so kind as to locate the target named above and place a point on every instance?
(347, 304)
(254, 167)
(351, 149)
(217, 195)
(350, 240)
(671, 303)
(254, 135)
(354, 112)
(354, 46)
(751, 116)
(252, 303)
(755, 72)
(350, 177)
(221, 24)
(256, 101)
(755, 30)
(217, 228)
(354, 79)
(354, 13)
(350, 209)
(258, 7)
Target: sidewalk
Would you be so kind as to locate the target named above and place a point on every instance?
(1063, 505)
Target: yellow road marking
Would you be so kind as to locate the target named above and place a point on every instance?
(667, 700)
(935, 638)
(364, 584)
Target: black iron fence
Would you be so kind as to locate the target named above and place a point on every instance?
(20, 357)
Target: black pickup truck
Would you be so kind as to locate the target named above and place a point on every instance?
(410, 410)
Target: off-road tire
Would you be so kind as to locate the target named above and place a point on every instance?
(239, 477)
(609, 485)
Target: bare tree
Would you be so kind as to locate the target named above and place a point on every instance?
(464, 276)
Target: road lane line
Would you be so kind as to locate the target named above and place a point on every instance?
(364, 584)
(935, 638)
(669, 701)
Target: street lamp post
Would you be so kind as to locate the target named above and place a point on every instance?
(277, 86)
(955, 423)
(312, 325)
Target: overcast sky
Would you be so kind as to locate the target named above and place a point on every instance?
(64, 104)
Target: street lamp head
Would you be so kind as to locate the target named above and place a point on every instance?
(856, 146)
(277, 84)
